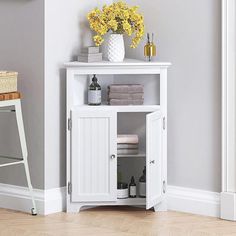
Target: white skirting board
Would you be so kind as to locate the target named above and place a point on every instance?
(47, 201)
(51, 201)
(193, 201)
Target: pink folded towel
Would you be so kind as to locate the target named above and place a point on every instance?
(128, 96)
(125, 102)
(125, 88)
(127, 138)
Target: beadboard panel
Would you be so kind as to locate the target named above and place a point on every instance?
(154, 159)
(93, 142)
(92, 132)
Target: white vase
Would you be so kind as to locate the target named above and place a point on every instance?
(116, 48)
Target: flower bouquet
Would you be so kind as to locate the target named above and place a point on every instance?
(119, 19)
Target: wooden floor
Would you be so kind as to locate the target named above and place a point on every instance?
(116, 221)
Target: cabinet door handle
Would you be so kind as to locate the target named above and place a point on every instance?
(152, 162)
(113, 156)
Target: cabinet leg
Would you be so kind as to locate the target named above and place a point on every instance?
(160, 207)
(74, 209)
(79, 208)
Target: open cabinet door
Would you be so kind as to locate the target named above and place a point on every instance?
(93, 157)
(154, 160)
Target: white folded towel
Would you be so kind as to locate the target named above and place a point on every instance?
(128, 139)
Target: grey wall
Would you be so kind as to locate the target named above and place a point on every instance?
(22, 50)
(188, 35)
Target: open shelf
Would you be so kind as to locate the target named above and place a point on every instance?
(130, 108)
(132, 201)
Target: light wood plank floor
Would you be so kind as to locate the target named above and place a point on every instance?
(113, 221)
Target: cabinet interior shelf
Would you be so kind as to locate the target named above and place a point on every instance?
(129, 108)
(140, 155)
(132, 201)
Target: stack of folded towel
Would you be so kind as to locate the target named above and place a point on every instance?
(125, 94)
(127, 144)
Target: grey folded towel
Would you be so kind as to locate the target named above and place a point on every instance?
(128, 96)
(127, 151)
(127, 146)
(125, 88)
(125, 102)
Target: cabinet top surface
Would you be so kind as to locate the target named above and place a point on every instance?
(126, 62)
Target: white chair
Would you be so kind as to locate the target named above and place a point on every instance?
(14, 106)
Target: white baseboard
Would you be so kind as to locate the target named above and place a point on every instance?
(193, 201)
(47, 201)
(54, 200)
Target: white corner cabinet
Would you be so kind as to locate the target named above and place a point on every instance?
(92, 158)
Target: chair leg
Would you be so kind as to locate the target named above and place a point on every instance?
(21, 131)
(33, 210)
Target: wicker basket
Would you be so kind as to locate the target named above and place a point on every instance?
(8, 81)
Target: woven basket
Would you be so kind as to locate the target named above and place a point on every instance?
(8, 81)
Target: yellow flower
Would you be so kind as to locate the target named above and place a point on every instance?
(98, 40)
(119, 18)
(127, 27)
(112, 24)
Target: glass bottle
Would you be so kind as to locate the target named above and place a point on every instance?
(94, 92)
(119, 174)
(142, 184)
(132, 188)
(150, 48)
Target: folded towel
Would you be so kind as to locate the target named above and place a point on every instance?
(127, 146)
(128, 96)
(125, 102)
(127, 139)
(126, 88)
(127, 151)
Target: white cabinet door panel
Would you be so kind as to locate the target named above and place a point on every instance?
(94, 172)
(154, 161)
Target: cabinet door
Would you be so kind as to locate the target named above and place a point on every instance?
(93, 157)
(154, 160)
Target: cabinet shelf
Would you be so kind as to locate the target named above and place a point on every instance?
(140, 155)
(132, 201)
(130, 108)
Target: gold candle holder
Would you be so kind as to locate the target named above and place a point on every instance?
(150, 48)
